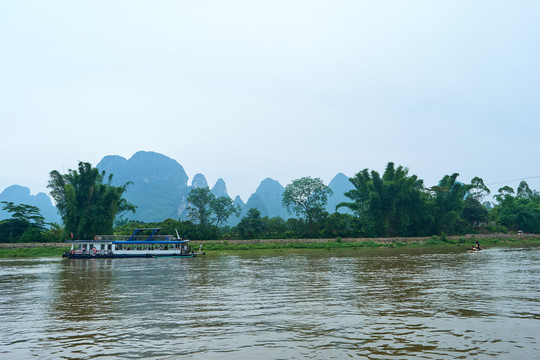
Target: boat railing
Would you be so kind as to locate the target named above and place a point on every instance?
(135, 238)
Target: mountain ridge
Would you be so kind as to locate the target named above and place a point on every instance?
(160, 187)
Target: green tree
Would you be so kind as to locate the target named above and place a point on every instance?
(275, 227)
(391, 205)
(474, 212)
(520, 211)
(477, 189)
(223, 208)
(87, 205)
(28, 213)
(26, 224)
(307, 198)
(251, 225)
(525, 192)
(447, 205)
(200, 205)
(340, 225)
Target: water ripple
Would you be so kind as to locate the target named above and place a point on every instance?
(391, 304)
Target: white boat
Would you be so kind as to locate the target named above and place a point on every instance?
(136, 245)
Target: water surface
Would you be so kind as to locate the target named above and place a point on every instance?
(362, 304)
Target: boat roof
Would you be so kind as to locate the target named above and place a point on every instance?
(136, 232)
(132, 239)
(145, 242)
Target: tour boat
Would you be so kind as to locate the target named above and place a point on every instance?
(134, 246)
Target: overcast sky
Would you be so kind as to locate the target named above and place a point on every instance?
(246, 90)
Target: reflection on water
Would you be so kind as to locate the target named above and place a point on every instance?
(369, 304)
(84, 291)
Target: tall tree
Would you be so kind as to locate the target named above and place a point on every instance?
(223, 208)
(520, 211)
(477, 189)
(200, 205)
(525, 192)
(391, 205)
(474, 212)
(447, 204)
(23, 212)
(307, 197)
(26, 224)
(251, 225)
(87, 204)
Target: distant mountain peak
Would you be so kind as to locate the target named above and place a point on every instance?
(199, 181)
(339, 179)
(21, 195)
(157, 183)
(270, 183)
(340, 184)
(220, 189)
(238, 201)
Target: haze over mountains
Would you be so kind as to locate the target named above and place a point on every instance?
(160, 187)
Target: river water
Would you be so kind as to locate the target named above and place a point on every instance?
(361, 304)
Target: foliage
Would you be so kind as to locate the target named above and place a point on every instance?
(26, 224)
(477, 189)
(446, 205)
(26, 213)
(391, 205)
(306, 197)
(251, 225)
(223, 208)
(394, 204)
(88, 206)
(474, 212)
(199, 200)
(29, 252)
(520, 211)
(206, 209)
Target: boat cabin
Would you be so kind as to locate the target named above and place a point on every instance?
(139, 244)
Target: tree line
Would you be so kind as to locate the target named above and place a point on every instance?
(394, 204)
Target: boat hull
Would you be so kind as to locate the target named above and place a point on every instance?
(123, 256)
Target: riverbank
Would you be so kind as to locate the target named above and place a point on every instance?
(362, 243)
(33, 252)
(23, 250)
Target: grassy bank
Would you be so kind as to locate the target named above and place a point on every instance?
(227, 246)
(216, 246)
(32, 252)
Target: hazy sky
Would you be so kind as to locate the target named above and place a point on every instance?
(246, 90)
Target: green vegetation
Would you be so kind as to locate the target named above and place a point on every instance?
(26, 225)
(307, 198)
(217, 247)
(87, 205)
(395, 204)
(205, 209)
(335, 244)
(28, 252)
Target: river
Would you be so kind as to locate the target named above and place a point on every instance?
(360, 304)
